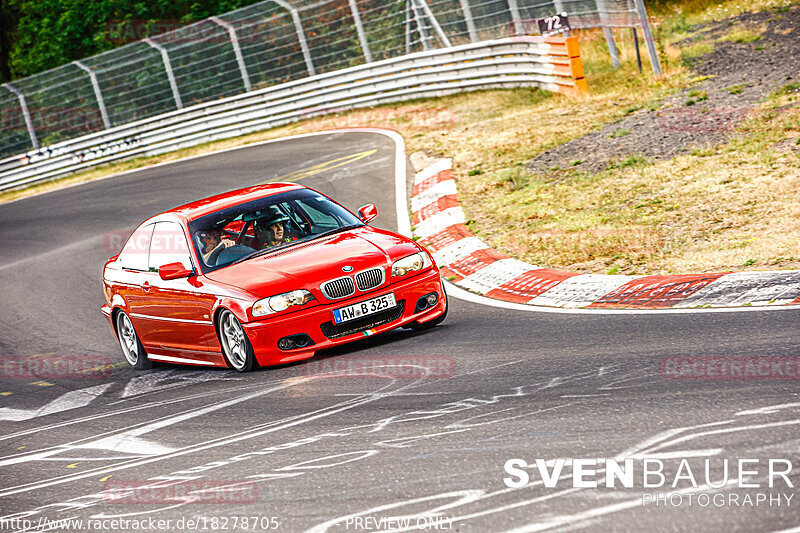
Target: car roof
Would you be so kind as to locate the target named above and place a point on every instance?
(205, 206)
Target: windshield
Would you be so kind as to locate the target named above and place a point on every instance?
(260, 226)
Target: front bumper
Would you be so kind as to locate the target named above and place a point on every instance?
(264, 334)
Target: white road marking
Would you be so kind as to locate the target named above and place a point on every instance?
(768, 409)
(153, 382)
(205, 445)
(65, 402)
(150, 405)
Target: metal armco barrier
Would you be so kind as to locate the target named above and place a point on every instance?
(550, 63)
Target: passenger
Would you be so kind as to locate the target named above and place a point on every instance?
(270, 230)
(212, 241)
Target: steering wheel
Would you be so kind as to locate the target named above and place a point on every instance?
(232, 253)
(212, 259)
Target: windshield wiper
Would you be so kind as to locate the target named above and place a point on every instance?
(332, 231)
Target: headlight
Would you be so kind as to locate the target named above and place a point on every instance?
(411, 263)
(281, 302)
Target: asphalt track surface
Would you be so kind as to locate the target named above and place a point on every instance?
(514, 384)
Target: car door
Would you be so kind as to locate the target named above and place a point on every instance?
(178, 311)
(131, 279)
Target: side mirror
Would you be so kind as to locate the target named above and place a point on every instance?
(173, 271)
(367, 212)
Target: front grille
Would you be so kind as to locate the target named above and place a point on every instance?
(338, 288)
(334, 331)
(369, 279)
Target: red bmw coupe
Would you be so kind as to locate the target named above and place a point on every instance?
(264, 276)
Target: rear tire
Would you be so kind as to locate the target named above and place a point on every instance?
(131, 345)
(236, 346)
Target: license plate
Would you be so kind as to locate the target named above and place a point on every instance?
(365, 308)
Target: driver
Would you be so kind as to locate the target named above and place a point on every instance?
(212, 240)
(270, 230)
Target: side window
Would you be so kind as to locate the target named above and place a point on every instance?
(168, 245)
(318, 214)
(134, 255)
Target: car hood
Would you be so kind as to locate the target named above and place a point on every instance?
(307, 265)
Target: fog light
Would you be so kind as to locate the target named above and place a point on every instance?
(426, 301)
(286, 343)
(298, 340)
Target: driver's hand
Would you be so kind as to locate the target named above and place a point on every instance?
(227, 243)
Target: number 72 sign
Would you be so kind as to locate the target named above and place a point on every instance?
(553, 25)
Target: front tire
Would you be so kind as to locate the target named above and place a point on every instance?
(131, 345)
(236, 346)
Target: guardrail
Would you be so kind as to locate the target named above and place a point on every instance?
(551, 63)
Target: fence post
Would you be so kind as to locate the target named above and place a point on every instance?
(25, 114)
(176, 95)
(362, 37)
(408, 27)
(435, 23)
(423, 33)
(612, 46)
(515, 16)
(301, 35)
(648, 37)
(473, 33)
(559, 6)
(97, 94)
(236, 50)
